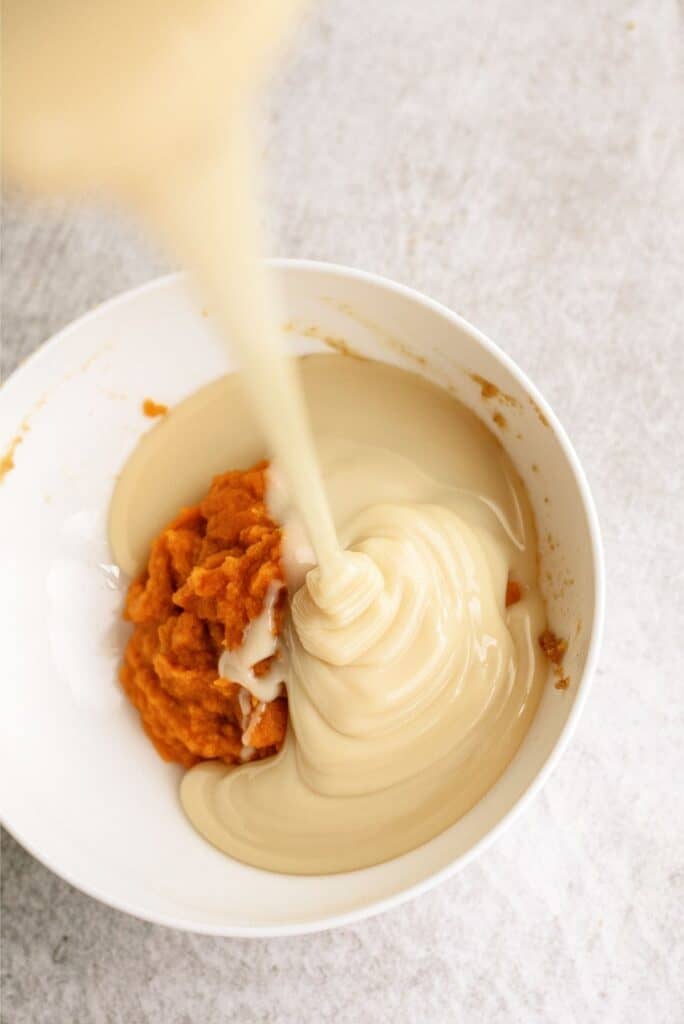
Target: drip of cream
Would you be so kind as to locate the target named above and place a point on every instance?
(258, 643)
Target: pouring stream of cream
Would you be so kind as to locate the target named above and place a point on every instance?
(410, 686)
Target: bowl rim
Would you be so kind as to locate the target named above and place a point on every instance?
(596, 628)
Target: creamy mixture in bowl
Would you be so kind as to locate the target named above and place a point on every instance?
(411, 671)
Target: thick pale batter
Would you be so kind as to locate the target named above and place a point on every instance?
(410, 683)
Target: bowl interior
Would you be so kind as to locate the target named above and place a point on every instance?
(82, 787)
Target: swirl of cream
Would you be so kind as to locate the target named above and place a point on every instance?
(410, 686)
(409, 632)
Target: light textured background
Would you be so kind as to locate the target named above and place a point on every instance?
(522, 162)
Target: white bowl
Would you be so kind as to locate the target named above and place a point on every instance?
(82, 788)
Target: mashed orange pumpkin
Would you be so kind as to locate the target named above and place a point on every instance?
(206, 579)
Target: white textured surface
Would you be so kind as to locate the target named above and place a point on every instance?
(522, 163)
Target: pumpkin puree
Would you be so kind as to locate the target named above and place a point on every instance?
(206, 579)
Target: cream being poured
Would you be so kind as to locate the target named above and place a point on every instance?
(410, 685)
